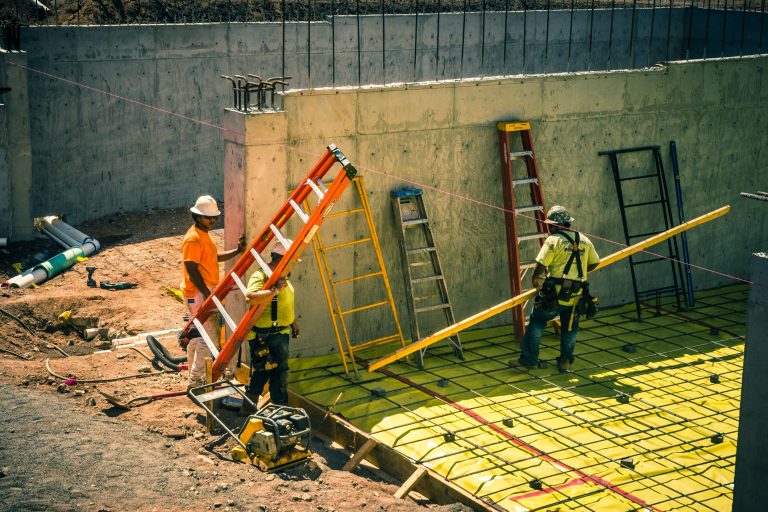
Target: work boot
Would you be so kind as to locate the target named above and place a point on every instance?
(515, 363)
(247, 409)
(564, 366)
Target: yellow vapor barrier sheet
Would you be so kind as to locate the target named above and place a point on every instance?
(648, 418)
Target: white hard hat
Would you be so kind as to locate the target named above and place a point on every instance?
(279, 248)
(206, 206)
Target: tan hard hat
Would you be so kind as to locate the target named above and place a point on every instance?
(206, 206)
(558, 215)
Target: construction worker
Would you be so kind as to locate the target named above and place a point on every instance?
(201, 275)
(268, 339)
(562, 266)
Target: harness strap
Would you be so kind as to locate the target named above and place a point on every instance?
(575, 255)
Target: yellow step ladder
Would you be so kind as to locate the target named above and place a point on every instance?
(340, 317)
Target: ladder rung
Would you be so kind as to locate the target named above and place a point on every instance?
(421, 249)
(345, 212)
(280, 237)
(649, 260)
(239, 283)
(646, 203)
(524, 181)
(645, 235)
(531, 208)
(230, 323)
(377, 341)
(345, 244)
(363, 308)
(527, 264)
(206, 338)
(262, 264)
(316, 189)
(303, 216)
(654, 175)
(425, 279)
(433, 308)
(357, 278)
(532, 236)
(518, 154)
(414, 222)
(420, 263)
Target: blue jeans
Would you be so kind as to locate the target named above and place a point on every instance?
(530, 350)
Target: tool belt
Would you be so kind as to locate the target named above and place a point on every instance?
(549, 298)
(269, 330)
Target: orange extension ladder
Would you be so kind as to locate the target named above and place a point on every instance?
(327, 197)
(535, 213)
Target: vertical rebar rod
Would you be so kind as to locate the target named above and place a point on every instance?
(546, 38)
(650, 39)
(482, 41)
(506, 16)
(706, 28)
(610, 33)
(762, 24)
(570, 39)
(632, 32)
(359, 46)
(309, 43)
(525, 31)
(437, 45)
(725, 19)
(743, 22)
(669, 30)
(383, 45)
(690, 30)
(415, 37)
(463, 33)
(591, 24)
(282, 64)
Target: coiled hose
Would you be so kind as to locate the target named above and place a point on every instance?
(163, 356)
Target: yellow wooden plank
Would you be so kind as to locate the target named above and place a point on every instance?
(527, 295)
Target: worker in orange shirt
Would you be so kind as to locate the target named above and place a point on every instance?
(200, 266)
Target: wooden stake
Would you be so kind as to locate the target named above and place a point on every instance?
(528, 295)
(352, 463)
(404, 489)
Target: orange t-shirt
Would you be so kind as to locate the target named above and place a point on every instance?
(197, 246)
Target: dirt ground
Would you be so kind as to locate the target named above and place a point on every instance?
(64, 447)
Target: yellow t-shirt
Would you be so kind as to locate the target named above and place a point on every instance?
(285, 309)
(198, 247)
(556, 252)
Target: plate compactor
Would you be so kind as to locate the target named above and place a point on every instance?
(273, 438)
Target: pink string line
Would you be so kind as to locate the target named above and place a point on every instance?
(124, 98)
(369, 169)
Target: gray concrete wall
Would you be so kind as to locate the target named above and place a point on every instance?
(444, 136)
(16, 183)
(100, 97)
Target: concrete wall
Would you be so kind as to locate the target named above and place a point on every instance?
(16, 183)
(444, 136)
(123, 151)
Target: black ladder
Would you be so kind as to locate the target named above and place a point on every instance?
(649, 190)
(425, 285)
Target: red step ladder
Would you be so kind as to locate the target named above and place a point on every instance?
(327, 197)
(530, 204)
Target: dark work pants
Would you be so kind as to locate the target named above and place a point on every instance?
(278, 376)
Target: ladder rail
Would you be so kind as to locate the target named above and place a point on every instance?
(302, 240)
(260, 242)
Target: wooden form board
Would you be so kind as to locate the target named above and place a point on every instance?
(389, 460)
(528, 295)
